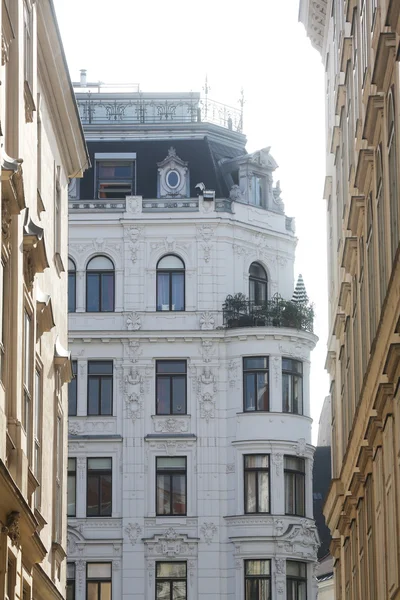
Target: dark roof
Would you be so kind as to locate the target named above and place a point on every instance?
(202, 155)
(321, 483)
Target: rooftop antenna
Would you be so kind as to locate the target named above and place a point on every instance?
(241, 104)
(206, 89)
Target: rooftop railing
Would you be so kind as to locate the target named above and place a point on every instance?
(137, 109)
(238, 311)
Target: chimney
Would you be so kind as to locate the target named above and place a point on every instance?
(83, 77)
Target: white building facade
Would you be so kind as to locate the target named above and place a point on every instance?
(190, 457)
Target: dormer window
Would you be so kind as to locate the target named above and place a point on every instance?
(173, 177)
(115, 175)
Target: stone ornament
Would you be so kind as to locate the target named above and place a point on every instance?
(207, 321)
(171, 544)
(133, 393)
(133, 531)
(11, 528)
(133, 322)
(170, 425)
(204, 236)
(208, 530)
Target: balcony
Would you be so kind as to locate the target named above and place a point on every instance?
(238, 311)
(142, 109)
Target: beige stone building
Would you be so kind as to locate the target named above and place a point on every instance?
(41, 146)
(359, 44)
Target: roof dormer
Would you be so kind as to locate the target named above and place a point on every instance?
(173, 177)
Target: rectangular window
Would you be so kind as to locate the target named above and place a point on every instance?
(257, 583)
(28, 51)
(295, 491)
(73, 391)
(98, 581)
(37, 434)
(100, 387)
(171, 485)
(292, 386)
(71, 489)
(70, 581)
(27, 394)
(171, 581)
(257, 191)
(115, 178)
(296, 580)
(255, 383)
(59, 478)
(256, 483)
(99, 487)
(171, 387)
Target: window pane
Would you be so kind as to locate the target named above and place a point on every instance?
(263, 492)
(163, 291)
(256, 362)
(257, 567)
(92, 292)
(264, 589)
(250, 487)
(294, 463)
(100, 367)
(170, 262)
(286, 396)
(92, 508)
(256, 270)
(302, 590)
(162, 592)
(289, 493)
(105, 588)
(262, 391)
(71, 493)
(92, 591)
(171, 366)
(260, 292)
(71, 292)
(297, 395)
(99, 464)
(249, 392)
(163, 495)
(94, 396)
(257, 460)
(72, 396)
(251, 589)
(99, 571)
(163, 395)
(300, 491)
(171, 464)
(106, 494)
(179, 395)
(179, 590)
(171, 570)
(295, 568)
(178, 291)
(100, 263)
(107, 292)
(179, 494)
(106, 396)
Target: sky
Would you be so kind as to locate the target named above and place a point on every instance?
(257, 45)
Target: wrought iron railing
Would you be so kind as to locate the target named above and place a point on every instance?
(238, 311)
(139, 110)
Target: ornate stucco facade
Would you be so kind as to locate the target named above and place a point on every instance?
(359, 44)
(205, 211)
(42, 145)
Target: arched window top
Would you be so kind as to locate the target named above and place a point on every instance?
(100, 263)
(257, 271)
(170, 261)
(71, 265)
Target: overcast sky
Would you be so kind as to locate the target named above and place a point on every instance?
(258, 45)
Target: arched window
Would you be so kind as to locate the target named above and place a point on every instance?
(100, 285)
(257, 284)
(71, 286)
(392, 160)
(170, 283)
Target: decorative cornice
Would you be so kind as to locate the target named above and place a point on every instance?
(313, 15)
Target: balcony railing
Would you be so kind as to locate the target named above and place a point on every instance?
(141, 110)
(238, 311)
